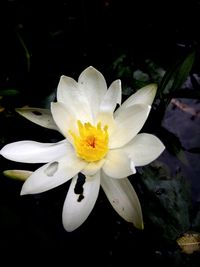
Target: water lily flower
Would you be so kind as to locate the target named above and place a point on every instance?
(100, 142)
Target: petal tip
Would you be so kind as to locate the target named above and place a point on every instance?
(140, 226)
(23, 192)
(89, 70)
(138, 223)
(154, 85)
(69, 228)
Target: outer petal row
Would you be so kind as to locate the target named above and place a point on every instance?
(143, 149)
(77, 207)
(127, 124)
(35, 152)
(53, 174)
(123, 198)
(145, 95)
(117, 164)
(39, 116)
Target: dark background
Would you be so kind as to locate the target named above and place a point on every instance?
(64, 37)
(40, 41)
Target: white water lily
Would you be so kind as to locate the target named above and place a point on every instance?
(103, 144)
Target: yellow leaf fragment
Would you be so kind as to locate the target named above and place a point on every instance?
(21, 175)
(189, 242)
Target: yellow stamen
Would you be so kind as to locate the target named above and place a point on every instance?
(92, 142)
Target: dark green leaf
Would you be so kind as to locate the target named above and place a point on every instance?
(8, 92)
(176, 75)
(26, 51)
(167, 80)
(169, 200)
(183, 71)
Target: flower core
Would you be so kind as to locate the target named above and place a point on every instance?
(92, 142)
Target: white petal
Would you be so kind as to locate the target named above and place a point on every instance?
(67, 87)
(124, 199)
(117, 164)
(132, 166)
(63, 118)
(35, 152)
(93, 85)
(73, 98)
(106, 119)
(39, 116)
(145, 95)
(77, 207)
(144, 148)
(21, 175)
(93, 167)
(53, 174)
(128, 123)
(112, 97)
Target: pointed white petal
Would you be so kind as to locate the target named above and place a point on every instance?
(106, 119)
(63, 118)
(52, 174)
(73, 98)
(143, 149)
(112, 97)
(77, 207)
(65, 85)
(127, 124)
(21, 175)
(145, 95)
(124, 199)
(93, 167)
(117, 164)
(42, 117)
(35, 152)
(93, 85)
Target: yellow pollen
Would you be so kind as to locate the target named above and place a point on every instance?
(92, 142)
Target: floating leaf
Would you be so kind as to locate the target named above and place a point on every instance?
(189, 242)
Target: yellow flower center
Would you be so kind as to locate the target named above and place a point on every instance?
(92, 142)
